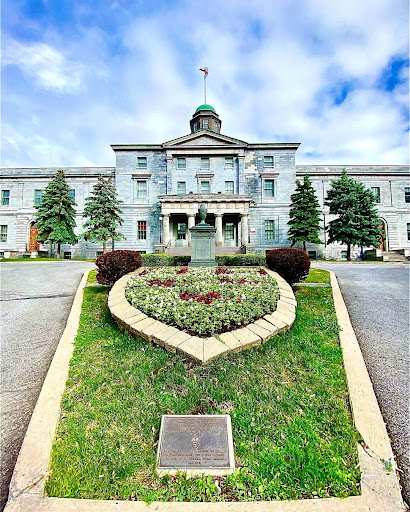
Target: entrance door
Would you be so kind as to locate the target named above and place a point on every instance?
(33, 245)
(383, 241)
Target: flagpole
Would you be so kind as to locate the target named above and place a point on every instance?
(205, 88)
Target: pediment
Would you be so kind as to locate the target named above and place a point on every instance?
(204, 139)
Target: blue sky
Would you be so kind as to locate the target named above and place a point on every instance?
(78, 76)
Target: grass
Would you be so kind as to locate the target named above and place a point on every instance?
(288, 401)
(317, 276)
(92, 277)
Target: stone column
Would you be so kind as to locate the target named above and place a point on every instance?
(244, 228)
(191, 224)
(218, 225)
(165, 228)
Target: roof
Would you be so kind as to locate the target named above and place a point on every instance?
(205, 106)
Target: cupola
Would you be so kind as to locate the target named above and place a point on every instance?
(205, 118)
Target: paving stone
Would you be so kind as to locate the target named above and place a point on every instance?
(285, 307)
(213, 348)
(266, 325)
(231, 341)
(247, 337)
(265, 334)
(138, 316)
(162, 335)
(152, 329)
(280, 324)
(118, 299)
(288, 300)
(193, 347)
(123, 310)
(138, 327)
(174, 341)
(288, 294)
(288, 319)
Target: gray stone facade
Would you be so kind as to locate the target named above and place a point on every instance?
(246, 187)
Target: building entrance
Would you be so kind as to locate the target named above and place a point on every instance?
(33, 244)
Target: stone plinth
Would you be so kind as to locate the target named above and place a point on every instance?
(203, 246)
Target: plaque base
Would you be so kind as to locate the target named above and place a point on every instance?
(196, 445)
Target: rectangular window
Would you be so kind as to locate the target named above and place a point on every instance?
(181, 163)
(142, 162)
(5, 197)
(408, 231)
(3, 233)
(343, 255)
(312, 255)
(268, 161)
(181, 187)
(67, 255)
(142, 230)
(141, 189)
(206, 123)
(72, 194)
(205, 164)
(269, 230)
(37, 197)
(229, 231)
(376, 193)
(205, 187)
(407, 194)
(269, 188)
(181, 231)
(196, 126)
(229, 187)
(228, 162)
(98, 253)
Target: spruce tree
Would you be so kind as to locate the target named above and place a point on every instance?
(358, 222)
(55, 218)
(304, 214)
(102, 213)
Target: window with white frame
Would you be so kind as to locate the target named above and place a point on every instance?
(38, 194)
(205, 123)
(181, 163)
(376, 193)
(5, 197)
(269, 229)
(205, 164)
(196, 126)
(142, 189)
(269, 188)
(3, 233)
(229, 162)
(142, 162)
(268, 161)
(229, 187)
(407, 194)
(142, 230)
(229, 231)
(72, 194)
(205, 187)
(181, 187)
(408, 231)
(181, 231)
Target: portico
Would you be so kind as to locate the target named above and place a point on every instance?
(229, 214)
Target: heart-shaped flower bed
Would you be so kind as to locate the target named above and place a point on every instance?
(204, 300)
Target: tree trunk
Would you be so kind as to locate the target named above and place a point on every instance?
(304, 245)
(58, 252)
(348, 252)
(104, 247)
(293, 243)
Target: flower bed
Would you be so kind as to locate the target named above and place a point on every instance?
(202, 300)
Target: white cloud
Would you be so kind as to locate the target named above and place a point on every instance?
(47, 65)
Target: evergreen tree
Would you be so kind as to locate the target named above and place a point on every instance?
(55, 218)
(358, 222)
(304, 214)
(103, 214)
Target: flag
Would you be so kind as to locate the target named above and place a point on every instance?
(205, 70)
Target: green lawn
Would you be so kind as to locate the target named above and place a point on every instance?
(288, 401)
(317, 276)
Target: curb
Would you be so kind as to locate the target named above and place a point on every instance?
(202, 350)
(380, 488)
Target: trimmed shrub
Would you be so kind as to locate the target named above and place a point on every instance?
(247, 260)
(182, 261)
(115, 264)
(292, 264)
(157, 260)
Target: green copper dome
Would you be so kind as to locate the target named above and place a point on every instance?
(205, 107)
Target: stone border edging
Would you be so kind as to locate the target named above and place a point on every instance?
(380, 488)
(202, 350)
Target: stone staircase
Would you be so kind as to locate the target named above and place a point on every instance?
(394, 256)
(219, 251)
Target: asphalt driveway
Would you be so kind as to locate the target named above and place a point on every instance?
(35, 300)
(377, 298)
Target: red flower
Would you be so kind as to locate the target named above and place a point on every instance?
(262, 272)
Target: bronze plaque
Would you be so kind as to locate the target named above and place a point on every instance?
(196, 443)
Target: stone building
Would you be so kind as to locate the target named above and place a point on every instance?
(246, 187)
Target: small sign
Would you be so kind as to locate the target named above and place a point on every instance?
(196, 445)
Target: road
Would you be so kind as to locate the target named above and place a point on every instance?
(35, 301)
(377, 298)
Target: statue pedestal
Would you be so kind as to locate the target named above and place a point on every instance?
(203, 245)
